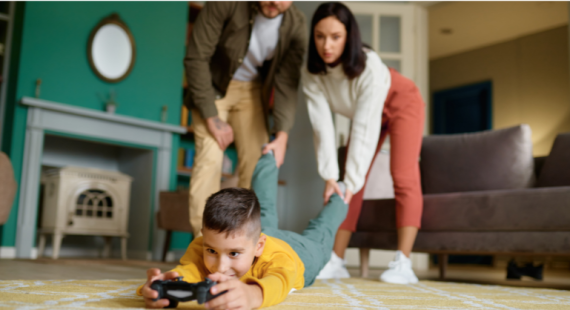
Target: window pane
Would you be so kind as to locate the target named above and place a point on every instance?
(390, 32)
(365, 27)
(393, 63)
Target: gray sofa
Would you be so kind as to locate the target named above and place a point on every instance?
(483, 194)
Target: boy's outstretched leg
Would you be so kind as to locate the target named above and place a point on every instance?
(321, 232)
(323, 228)
(264, 184)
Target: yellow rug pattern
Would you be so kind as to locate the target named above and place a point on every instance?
(352, 293)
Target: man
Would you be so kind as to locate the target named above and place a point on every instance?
(241, 58)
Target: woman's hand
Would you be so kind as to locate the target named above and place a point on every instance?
(331, 187)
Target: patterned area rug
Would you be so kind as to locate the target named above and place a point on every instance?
(352, 293)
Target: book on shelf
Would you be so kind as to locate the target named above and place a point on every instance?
(189, 158)
(181, 156)
(186, 161)
(184, 116)
(185, 158)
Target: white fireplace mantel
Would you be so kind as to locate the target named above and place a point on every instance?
(89, 124)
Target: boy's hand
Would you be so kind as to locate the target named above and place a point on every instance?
(149, 294)
(239, 295)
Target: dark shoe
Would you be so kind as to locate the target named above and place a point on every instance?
(514, 272)
(533, 271)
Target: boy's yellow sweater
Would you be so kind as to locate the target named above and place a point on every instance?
(278, 270)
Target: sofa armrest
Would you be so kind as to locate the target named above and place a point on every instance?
(538, 165)
(556, 170)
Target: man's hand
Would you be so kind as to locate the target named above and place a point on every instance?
(279, 147)
(149, 294)
(221, 131)
(239, 295)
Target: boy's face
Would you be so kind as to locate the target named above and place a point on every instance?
(231, 255)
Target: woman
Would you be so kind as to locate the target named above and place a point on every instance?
(343, 76)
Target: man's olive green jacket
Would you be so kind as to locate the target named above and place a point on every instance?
(218, 45)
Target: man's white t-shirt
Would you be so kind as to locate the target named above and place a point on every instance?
(264, 37)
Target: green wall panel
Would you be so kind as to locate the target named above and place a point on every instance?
(53, 48)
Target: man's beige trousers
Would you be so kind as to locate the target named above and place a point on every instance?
(242, 109)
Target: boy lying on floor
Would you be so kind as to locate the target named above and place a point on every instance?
(244, 251)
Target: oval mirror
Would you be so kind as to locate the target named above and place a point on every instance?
(111, 49)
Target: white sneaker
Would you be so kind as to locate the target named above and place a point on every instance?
(334, 269)
(399, 271)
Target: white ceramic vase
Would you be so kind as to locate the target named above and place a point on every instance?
(111, 108)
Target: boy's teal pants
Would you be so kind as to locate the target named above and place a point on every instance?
(314, 245)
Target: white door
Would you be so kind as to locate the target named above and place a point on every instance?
(398, 33)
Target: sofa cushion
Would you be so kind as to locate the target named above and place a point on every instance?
(465, 242)
(489, 160)
(556, 169)
(531, 209)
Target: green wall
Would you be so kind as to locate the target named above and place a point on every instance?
(52, 47)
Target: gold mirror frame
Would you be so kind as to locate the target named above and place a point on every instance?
(116, 20)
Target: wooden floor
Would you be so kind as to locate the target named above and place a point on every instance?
(93, 269)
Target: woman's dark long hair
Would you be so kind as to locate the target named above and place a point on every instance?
(353, 57)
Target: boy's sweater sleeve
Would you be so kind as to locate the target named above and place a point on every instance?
(276, 279)
(191, 267)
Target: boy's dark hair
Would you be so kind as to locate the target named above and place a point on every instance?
(232, 210)
(353, 57)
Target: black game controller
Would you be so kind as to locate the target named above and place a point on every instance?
(177, 290)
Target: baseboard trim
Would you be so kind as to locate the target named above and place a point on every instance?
(10, 253)
(7, 252)
(174, 255)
